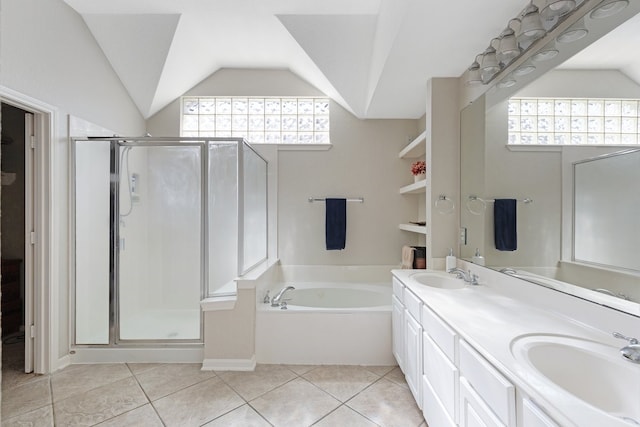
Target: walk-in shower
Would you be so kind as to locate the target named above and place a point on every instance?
(161, 224)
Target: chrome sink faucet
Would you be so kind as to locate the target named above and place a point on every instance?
(630, 352)
(468, 277)
(278, 299)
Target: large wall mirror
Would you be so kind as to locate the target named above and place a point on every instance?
(543, 180)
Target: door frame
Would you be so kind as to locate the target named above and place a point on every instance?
(44, 267)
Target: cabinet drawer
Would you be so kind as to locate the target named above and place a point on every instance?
(434, 412)
(474, 412)
(495, 390)
(440, 333)
(532, 416)
(398, 289)
(413, 304)
(441, 374)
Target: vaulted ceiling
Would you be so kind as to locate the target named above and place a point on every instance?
(374, 57)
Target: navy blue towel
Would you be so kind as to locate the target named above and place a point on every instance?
(336, 223)
(504, 224)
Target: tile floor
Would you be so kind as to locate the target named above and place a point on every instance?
(183, 395)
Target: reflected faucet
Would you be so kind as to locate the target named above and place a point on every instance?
(278, 299)
(630, 352)
(468, 277)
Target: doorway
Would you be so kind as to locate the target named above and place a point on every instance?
(17, 251)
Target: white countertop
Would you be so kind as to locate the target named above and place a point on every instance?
(490, 320)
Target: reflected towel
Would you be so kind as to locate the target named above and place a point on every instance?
(335, 223)
(504, 224)
(407, 257)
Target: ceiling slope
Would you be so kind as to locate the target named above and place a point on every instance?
(340, 46)
(137, 47)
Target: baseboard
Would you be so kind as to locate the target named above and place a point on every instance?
(62, 363)
(229, 364)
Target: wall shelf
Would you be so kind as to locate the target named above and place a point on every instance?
(420, 229)
(415, 148)
(415, 188)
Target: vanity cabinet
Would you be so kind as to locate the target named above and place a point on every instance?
(440, 373)
(407, 337)
(413, 345)
(533, 416)
(497, 394)
(474, 411)
(452, 382)
(397, 324)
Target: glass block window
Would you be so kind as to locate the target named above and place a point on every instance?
(573, 121)
(258, 120)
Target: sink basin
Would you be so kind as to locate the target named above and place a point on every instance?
(592, 372)
(438, 281)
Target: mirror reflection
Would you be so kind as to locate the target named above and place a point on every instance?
(596, 263)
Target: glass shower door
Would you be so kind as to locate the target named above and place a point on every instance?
(159, 242)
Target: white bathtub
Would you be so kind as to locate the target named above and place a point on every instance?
(327, 323)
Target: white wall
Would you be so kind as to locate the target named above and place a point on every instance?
(362, 163)
(49, 54)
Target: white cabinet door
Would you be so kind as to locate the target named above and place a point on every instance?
(397, 322)
(495, 390)
(473, 411)
(413, 359)
(443, 376)
(532, 416)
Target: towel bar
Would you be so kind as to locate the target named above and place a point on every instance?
(355, 199)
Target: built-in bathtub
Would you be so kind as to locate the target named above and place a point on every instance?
(327, 323)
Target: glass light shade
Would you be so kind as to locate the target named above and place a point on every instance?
(508, 82)
(555, 8)
(546, 53)
(524, 69)
(473, 76)
(508, 48)
(608, 8)
(531, 27)
(489, 62)
(573, 33)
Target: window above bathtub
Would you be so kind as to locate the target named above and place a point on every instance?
(546, 122)
(294, 121)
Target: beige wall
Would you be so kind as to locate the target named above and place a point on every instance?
(363, 162)
(238, 342)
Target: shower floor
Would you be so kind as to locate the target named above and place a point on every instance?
(160, 325)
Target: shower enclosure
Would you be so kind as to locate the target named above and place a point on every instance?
(161, 224)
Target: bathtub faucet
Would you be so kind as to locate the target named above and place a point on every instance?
(275, 301)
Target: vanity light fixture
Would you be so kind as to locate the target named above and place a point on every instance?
(473, 73)
(489, 65)
(524, 69)
(573, 33)
(608, 8)
(506, 82)
(531, 28)
(548, 52)
(555, 8)
(522, 33)
(508, 48)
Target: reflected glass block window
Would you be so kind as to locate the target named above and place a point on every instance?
(564, 121)
(260, 120)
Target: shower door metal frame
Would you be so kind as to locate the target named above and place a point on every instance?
(114, 282)
(114, 264)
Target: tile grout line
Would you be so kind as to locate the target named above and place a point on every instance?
(145, 395)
